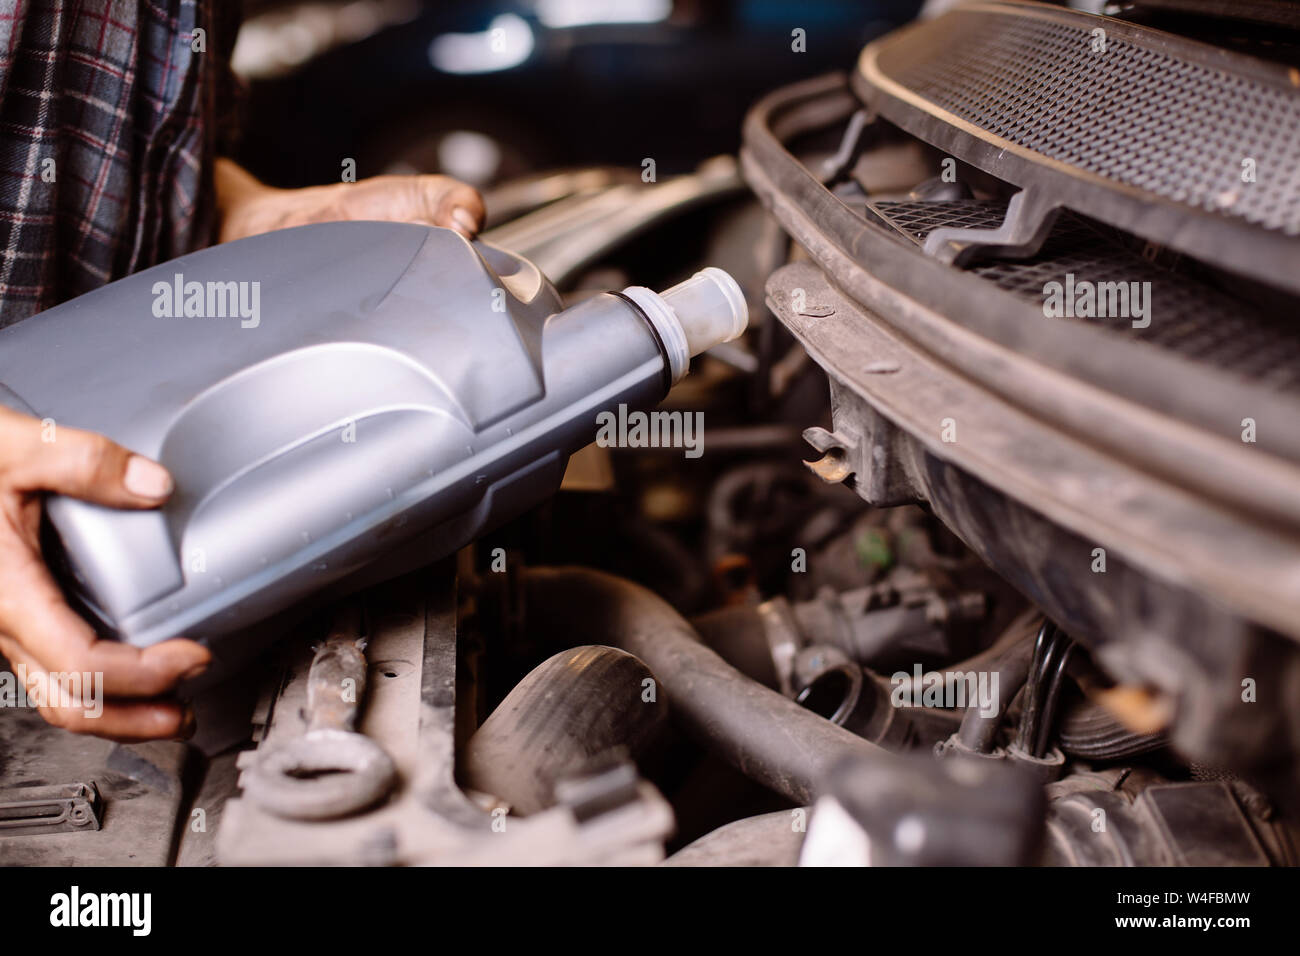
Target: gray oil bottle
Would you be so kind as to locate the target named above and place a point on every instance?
(337, 403)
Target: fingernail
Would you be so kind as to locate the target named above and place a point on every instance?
(467, 221)
(146, 478)
(195, 671)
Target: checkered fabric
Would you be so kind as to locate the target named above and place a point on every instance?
(109, 123)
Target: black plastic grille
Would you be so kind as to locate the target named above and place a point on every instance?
(1188, 316)
(1280, 12)
(1145, 117)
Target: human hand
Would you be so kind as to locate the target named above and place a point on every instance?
(38, 631)
(248, 207)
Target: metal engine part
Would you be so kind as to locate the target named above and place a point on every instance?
(331, 770)
(428, 819)
(1095, 820)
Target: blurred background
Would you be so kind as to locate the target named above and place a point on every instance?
(488, 91)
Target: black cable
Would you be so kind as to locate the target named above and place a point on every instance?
(1047, 717)
(1044, 645)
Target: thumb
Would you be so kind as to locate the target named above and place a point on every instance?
(85, 465)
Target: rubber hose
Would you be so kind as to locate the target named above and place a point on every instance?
(978, 732)
(738, 635)
(569, 710)
(764, 735)
(1089, 731)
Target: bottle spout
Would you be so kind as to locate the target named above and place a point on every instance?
(693, 316)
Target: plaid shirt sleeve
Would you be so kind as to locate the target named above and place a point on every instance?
(109, 113)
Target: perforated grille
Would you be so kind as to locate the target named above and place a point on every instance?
(1145, 117)
(1188, 316)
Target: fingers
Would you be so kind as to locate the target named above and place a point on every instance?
(445, 202)
(86, 712)
(34, 616)
(80, 464)
(38, 630)
(129, 721)
(429, 199)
